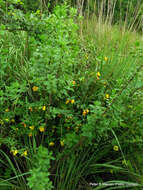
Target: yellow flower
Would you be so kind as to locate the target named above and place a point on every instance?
(7, 120)
(31, 127)
(67, 101)
(14, 152)
(30, 109)
(116, 148)
(73, 82)
(51, 144)
(69, 117)
(111, 171)
(7, 110)
(107, 96)
(84, 113)
(87, 110)
(30, 134)
(25, 153)
(35, 88)
(12, 120)
(68, 128)
(98, 75)
(62, 143)
(1, 122)
(105, 58)
(44, 108)
(72, 101)
(42, 129)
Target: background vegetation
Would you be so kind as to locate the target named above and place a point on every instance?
(71, 95)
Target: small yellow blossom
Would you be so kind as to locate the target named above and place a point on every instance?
(44, 108)
(67, 101)
(111, 171)
(7, 120)
(13, 120)
(98, 75)
(107, 96)
(35, 88)
(1, 122)
(30, 109)
(73, 82)
(14, 152)
(69, 117)
(116, 148)
(105, 58)
(84, 113)
(30, 134)
(25, 153)
(7, 110)
(42, 129)
(31, 127)
(72, 101)
(62, 143)
(87, 110)
(51, 144)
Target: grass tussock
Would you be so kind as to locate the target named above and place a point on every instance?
(121, 46)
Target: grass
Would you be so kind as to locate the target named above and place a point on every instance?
(119, 45)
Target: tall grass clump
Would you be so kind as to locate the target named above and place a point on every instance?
(115, 51)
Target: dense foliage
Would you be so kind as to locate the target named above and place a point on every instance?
(70, 109)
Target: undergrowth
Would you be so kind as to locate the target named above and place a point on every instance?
(71, 105)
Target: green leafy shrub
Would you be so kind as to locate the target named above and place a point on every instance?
(39, 178)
